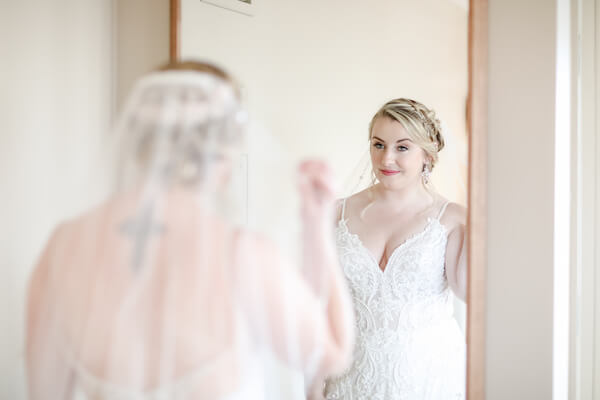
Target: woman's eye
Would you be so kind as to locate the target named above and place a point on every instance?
(402, 148)
(378, 145)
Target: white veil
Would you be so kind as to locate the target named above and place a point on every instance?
(161, 292)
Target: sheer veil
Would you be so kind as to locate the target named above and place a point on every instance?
(165, 290)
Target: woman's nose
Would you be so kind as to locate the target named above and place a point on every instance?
(388, 157)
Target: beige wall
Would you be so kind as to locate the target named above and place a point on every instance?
(522, 45)
(63, 74)
(314, 72)
(56, 102)
(142, 29)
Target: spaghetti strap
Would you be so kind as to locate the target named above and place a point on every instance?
(343, 208)
(443, 209)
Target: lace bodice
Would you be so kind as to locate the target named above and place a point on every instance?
(408, 344)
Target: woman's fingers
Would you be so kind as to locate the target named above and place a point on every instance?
(316, 185)
(317, 178)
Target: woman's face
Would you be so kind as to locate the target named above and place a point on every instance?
(397, 161)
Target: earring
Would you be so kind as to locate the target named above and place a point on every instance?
(426, 173)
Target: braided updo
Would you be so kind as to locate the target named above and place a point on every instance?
(420, 122)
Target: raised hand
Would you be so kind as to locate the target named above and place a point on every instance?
(317, 190)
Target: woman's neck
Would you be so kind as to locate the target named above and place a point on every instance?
(415, 195)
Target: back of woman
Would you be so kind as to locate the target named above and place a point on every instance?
(140, 328)
(157, 294)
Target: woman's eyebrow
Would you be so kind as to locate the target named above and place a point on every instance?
(397, 141)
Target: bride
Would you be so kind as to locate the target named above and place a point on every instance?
(157, 294)
(402, 249)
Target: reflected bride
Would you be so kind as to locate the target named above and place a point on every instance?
(402, 249)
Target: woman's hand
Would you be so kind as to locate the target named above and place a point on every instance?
(317, 190)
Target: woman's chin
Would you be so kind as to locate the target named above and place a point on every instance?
(391, 182)
(395, 182)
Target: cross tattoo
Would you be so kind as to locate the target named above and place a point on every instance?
(140, 229)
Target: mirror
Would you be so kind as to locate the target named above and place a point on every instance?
(333, 85)
(314, 73)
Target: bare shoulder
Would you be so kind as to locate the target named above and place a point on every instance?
(456, 211)
(357, 201)
(60, 238)
(41, 272)
(455, 216)
(362, 196)
(59, 235)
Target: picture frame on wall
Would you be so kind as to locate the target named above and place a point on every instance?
(246, 7)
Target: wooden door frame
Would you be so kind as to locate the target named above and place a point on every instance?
(174, 27)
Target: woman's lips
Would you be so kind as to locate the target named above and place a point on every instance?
(388, 172)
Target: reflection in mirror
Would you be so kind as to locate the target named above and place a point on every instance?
(316, 75)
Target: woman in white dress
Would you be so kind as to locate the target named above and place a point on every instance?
(157, 294)
(402, 250)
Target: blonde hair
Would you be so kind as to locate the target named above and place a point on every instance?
(420, 123)
(202, 66)
(190, 144)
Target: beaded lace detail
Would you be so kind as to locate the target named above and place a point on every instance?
(408, 344)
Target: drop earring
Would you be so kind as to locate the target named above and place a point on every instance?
(426, 173)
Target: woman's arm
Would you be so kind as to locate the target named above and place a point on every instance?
(456, 250)
(47, 371)
(320, 262)
(301, 317)
(309, 318)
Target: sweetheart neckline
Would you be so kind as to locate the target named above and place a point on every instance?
(409, 239)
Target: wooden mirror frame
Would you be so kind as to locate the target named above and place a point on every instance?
(477, 106)
(477, 102)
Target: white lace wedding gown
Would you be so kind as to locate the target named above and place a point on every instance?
(408, 344)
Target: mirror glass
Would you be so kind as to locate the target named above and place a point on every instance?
(314, 73)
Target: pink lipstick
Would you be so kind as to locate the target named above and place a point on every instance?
(389, 172)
